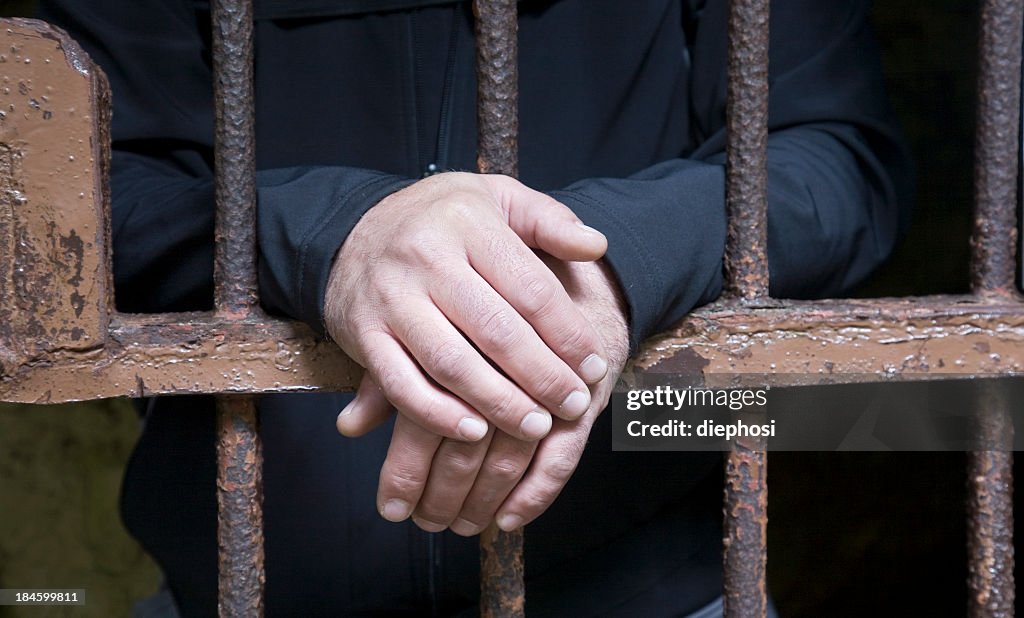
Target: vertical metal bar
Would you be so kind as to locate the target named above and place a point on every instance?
(234, 158)
(746, 264)
(994, 239)
(501, 553)
(746, 529)
(990, 507)
(239, 454)
(239, 501)
(746, 261)
(497, 73)
(993, 268)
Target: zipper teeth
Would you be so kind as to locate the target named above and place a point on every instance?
(444, 125)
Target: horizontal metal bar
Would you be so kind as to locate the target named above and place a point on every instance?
(798, 342)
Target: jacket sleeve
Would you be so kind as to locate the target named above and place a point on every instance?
(838, 173)
(162, 179)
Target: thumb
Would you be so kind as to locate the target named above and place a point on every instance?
(368, 410)
(544, 223)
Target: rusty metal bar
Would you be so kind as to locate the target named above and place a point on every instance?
(235, 294)
(746, 529)
(993, 270)
(746, 261)
(746, 268)
(994, 239)
(239, 454)
(239, 500)
(502, 591)
(790, 343)
(990, 509)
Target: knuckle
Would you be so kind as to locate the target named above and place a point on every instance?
(498, 329)
(404, 478)
(503, 409)
(462, 207)
(458, 463)
(395, 384)
(447, 362)
(574, 337)
(506, 469)
(537, 295)
(422, 246)
(557, 470)
(551, 384)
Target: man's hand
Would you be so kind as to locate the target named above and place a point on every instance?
(464, 486)
(436, 292)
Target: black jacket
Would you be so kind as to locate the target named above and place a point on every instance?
(622, 110)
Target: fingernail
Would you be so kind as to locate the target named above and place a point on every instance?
(464, 527)
(536, 425)
(472, 429)
(575, 404)
(429, 526)
(509, 522)
(348, 409)
(586, 228)
(395, 510)
(593, 369)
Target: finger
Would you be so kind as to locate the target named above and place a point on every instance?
(405, 386)
(551, 468)
(452, 473)
(443, 352)
(525, 281)
(404, 473)
(506, 339)
(366, 411)
(505, 463)
(545, 223)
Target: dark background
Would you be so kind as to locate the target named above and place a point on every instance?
(863, 534)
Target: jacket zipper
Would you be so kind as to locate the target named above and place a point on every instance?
(444, 127)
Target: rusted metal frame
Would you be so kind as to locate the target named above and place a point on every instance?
(994, 238)
(786, 342)
(746, 195)
(239, 454)
(746, 269)
(993, 272)
(990, 509)
(502, 592)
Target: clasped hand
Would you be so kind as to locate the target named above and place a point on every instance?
(483, 347)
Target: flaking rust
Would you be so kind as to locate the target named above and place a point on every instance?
(54, 256)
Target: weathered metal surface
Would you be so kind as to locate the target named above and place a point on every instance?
(746, 270)
(994, 239)
(497, 69)
(240, 507)
(497, 74)
(501, 568)
(990, 508)
(746, 529)
(55, 290)
(993, 270)
(235, 293)
(821, 342)
(746, 261)
(240, 460)
(788, 343)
